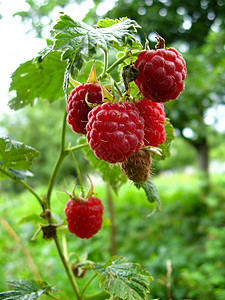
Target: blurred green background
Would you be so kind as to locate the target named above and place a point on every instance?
(188, 232)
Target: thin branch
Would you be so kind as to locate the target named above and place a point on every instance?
(68, 270)
(87, 284)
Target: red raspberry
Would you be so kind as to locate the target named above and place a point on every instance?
(161, 74)
(115, 131)
(78, 109)
(84, 217)
(154, 117)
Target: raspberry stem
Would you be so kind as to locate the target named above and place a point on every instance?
(120, 60)
(67, 269)
(105, 65)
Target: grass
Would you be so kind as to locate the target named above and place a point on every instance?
(188, 232)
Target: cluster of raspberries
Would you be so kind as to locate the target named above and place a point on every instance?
(115, 131)
(120, 132)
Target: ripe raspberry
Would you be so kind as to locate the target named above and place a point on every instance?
(137, 167)
(154, 117)
(161, 74)
(78, 109)
(84, 217)
(115, 131)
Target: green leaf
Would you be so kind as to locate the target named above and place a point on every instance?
(169, 137)
(124, 279)
(79, 41)
(26, 289)
(41, 78)
(110, 172)
(17, 156)
(150, 190)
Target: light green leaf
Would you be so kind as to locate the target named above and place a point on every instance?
(169, 137)
(26, 289)
(41, 78)
(15, 155)
(79, 41)
(124, 279)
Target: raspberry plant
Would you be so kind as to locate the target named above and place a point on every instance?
(119, 129)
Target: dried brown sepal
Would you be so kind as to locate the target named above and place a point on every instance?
(78, 272)
(160, 42)
(49, 232)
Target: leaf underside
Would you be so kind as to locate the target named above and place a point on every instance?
(16, 157)
(26, 289)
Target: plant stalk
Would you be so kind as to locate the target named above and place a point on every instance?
(58, 163)
(103, 75)
(68, 270)
(120, 60)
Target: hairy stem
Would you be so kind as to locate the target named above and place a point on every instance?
(68, 270)
(79, 175)
(24, 184)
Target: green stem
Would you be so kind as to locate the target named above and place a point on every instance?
(68, 270)
(105, 64)
(59, 161)
(118, 89)
(24, 184)
(87, 284)
(79, 175)
(75, 148)
(120, 60)
(52, 296)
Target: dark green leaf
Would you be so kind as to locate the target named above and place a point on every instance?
(169, 137)
(124, 279)
(79, 41)
(38, 79)
(15, 155)
(26, 289)
(150, 191)
(110, 172)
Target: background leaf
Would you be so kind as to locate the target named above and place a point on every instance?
(26, 289)
(79, 41)
(16, 155)
(38, 79)
(124, 279)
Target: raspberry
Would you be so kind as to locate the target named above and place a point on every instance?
(84, 217)
(137, 167)
(161, 74)
(154, 117)
(78, 109)
(115, 131)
